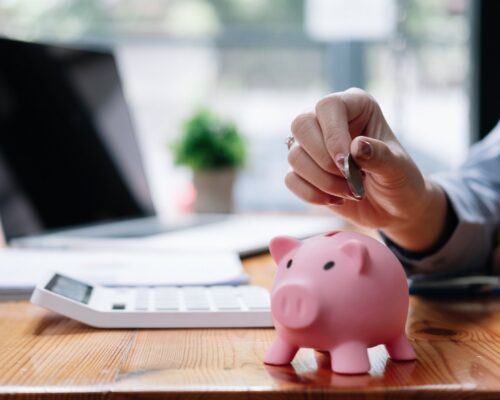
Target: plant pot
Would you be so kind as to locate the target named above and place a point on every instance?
(214, 190)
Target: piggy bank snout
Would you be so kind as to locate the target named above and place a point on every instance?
(294, 305)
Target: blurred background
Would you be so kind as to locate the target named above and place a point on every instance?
(260, 63)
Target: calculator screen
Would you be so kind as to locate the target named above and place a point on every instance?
(70, 288)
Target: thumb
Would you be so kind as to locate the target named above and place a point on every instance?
(377, 157)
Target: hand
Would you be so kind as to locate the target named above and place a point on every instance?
(398, 199)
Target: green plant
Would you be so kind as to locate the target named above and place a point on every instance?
(207, 142)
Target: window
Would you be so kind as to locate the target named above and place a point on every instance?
(261, 62)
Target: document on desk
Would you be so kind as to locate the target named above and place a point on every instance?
(22, 269)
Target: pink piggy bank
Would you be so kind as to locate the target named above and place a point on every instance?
(340, 292)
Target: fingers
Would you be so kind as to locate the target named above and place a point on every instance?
(342, 116)
(332, 117)
(308, 192)
(376, 157)
(360, 107)
(326, 136)
(305, 167)
(306, 130)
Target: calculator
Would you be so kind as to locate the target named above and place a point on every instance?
(154, 306)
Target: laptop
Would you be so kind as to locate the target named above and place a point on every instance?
(71, 170)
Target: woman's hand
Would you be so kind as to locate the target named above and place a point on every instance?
(398, 199)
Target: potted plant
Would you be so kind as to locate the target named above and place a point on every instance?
(214, 150)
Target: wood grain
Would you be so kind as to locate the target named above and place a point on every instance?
(43, 355)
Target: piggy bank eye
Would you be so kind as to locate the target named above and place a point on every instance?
(289, 263)
(328, 265)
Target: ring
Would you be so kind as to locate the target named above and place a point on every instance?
(290, 140)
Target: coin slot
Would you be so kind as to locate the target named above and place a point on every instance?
(330, 234)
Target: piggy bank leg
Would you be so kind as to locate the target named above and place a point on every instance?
(280, 352)
(350, 358)
(400, 349)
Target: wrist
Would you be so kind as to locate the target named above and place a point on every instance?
(423, 227)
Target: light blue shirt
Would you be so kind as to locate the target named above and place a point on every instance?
(474, 192)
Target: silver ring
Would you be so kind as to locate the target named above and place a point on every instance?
(290, 140)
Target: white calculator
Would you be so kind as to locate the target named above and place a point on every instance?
(155, 307)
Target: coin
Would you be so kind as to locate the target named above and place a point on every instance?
(354, 177)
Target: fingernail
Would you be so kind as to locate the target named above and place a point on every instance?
(339, 160)
(365, 150)
(334, 200)
(350, 196)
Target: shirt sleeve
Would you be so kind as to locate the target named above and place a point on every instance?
(473, 190)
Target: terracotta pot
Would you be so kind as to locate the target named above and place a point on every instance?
(214, 190)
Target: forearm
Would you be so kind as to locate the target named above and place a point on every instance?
(466, 244)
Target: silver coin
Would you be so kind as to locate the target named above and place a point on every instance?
(354, 177)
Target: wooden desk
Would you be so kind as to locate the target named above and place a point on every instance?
(43, 355)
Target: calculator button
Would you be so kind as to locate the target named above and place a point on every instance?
(255, 298)
(166, 306)
(196, 299)
(167, 298)
(257, 306)
(198, 306)
(141, 299)
(194, 293)
(228, 305)
(226, 299)
(166, 292)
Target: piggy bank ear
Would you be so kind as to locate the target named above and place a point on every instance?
(281, 245)
(357, 253)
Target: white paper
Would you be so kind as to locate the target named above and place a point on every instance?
(22, 269)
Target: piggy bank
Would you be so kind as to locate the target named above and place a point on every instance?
(340, 292)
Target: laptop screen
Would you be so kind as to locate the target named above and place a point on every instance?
(68, 154)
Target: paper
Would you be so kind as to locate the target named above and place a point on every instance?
(22, 269)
